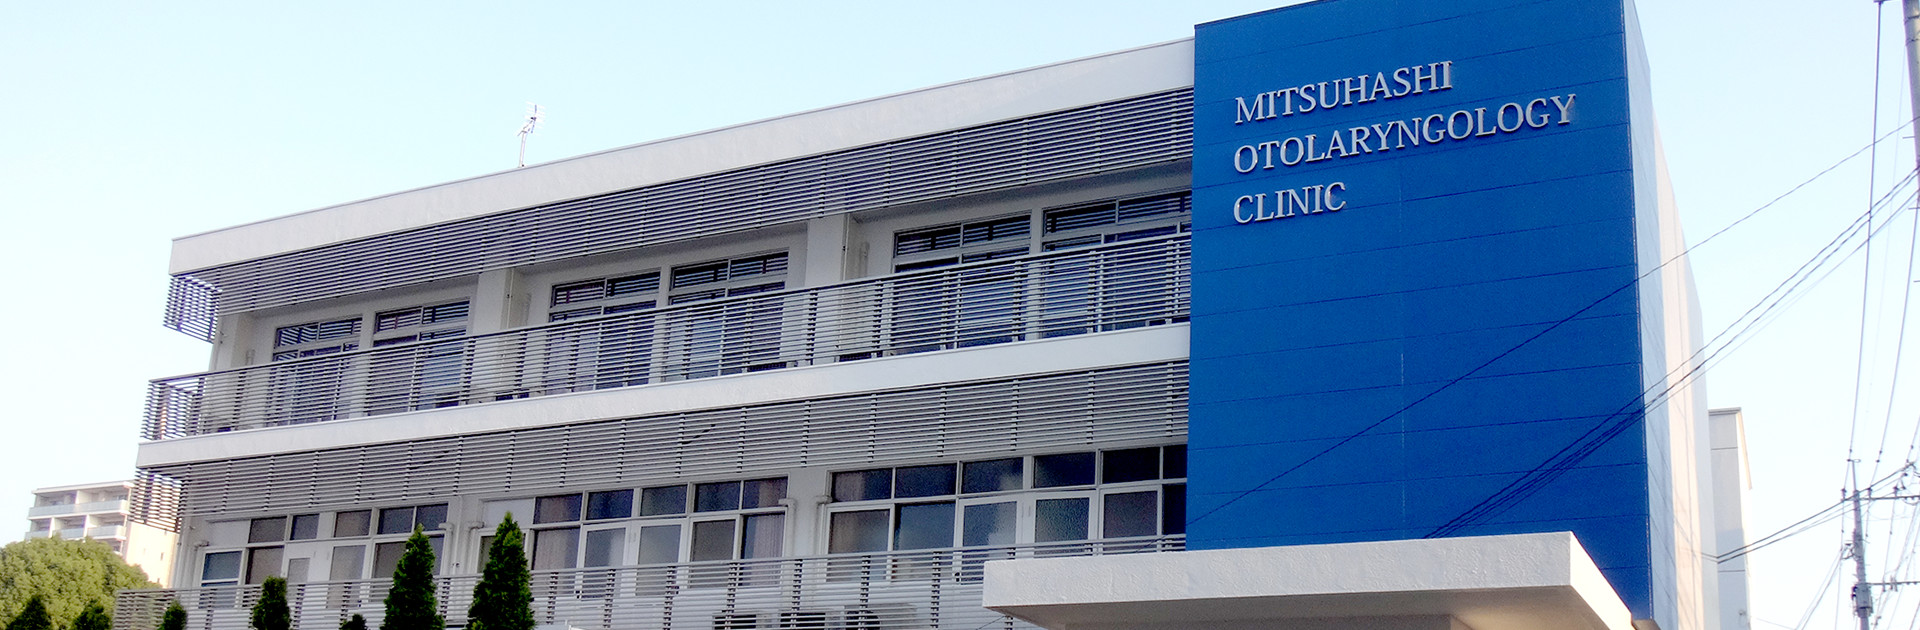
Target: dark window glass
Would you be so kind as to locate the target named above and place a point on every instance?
(555, 548)
(1070, 243)
(762, 493)
(712, 540)
(989, 524)
(1059, 520)
(924, 526)
(224, 565)
(578, 292)
(396, 520)
(267, 529)
(1065, 219)
(923, 481)
(695, 275)
(715, 497)
(1149, 207)
(429, 517)
(1130, 514)
(604, 547)
(660, 544)
(762, 536)
(1068, 469)
(926, 240)
(856, 532)
(386, 556)
(306, 527)
(614, 504)
(633, 285)
(556, 509)
(351, 523)
(1173, 509)
(925, 264)
(1134, 464)
(1176, 462)
(993, 475)
(862, 485)
(348, 562)
(262, 563)
(663, 500)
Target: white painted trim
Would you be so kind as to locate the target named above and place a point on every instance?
(1080, 352)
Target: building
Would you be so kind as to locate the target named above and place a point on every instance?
(100, 511)
(1299, 294)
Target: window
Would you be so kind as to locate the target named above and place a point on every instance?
(424, 376)
(220, 568)
(1053, 498)
(720, 520)
(364, 539)
(609, 354)
(975, 307)
(732, 337)
(310, 391)
(989, 239)
(1078, 295)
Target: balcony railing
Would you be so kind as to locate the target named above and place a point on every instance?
(77, 508)
(1048, 295)
(920, 589)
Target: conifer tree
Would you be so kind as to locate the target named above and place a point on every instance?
(356, 622)
(503, 599)
(32, 617)
(411, 604)
(93, 617)
(176, 617)
(271, 612)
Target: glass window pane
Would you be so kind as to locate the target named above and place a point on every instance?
(267, 529)
(1069, 469)
(1176, 458)
(1134, 464)
(660, 544)
(1130, 514)
(351, 523)
(663, 500)
(615, 504)
(224, 565)
(989, 524)
(715, 497)
(761, 493)
(430, 517)
(396, 520)
(993, 475)
(297, 570)
(712, 540)
(386, 556)
(1058, 520)
(924, 526)
(763, 536)
(433, 544)
(862, 485)
(306, 527)
(605, 547)
(555, 548)
(1173, 509)
(853, 532)
(923, 481)
(348, 562)
(263, 562)
(558, 509)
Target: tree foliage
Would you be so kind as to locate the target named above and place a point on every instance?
(93, 617)
(410, 604)
(271, 612)
(356, 622)
(176, 617)
(33, 616)
(66, 574)
(503, 599)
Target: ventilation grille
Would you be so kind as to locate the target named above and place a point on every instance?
(1058, 411)
(1122, 134)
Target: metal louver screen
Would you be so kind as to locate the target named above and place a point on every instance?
(1054, 411)
(1121, 134)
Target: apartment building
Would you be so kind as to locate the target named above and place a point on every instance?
(1341, 275)
(100, 511)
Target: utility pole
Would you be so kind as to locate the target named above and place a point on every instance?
(1862, 591)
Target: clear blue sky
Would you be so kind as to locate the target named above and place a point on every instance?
(125, 124)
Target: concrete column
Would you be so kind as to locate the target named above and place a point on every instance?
(499, 302)
(233, 342)
(827, 239)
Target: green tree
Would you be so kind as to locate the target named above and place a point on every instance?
(271, 612)
(176, 617)
(410, 604)
(357, 622)
(65, 574)
(93, 617)
(503, 600)
(33, 616)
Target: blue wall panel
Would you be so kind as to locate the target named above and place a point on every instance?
(1327, 398)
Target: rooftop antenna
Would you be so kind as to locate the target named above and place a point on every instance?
(533, 120)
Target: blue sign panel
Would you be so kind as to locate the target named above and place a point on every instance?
(1413, 278)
